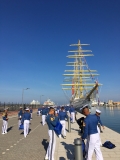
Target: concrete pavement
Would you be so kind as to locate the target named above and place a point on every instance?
(14, 146)
(65, 147)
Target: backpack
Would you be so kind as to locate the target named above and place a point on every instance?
(58, 128)
(21, 127)
(109, 145)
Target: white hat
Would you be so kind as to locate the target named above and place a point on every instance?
(27, 109)
(98, 111)
(86, 105)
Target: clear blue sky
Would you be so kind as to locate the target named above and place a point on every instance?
(34, 42)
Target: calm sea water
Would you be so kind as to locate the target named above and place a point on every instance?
(110, 117)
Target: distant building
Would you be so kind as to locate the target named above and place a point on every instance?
(35, 102)
(110, 102)
(116, 103)
(49, 102)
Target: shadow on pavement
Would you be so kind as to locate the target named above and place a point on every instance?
(62, 158)
(69, 151)
(10, 128)
(23, 131)
(75, 129)
(45, 143)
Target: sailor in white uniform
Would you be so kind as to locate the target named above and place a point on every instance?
(51, 120)
(72, 113)
(62, 116)
(26, 119)
(5, 121)
(91, 134)
(98, 112)
(20, 114)
(44, 113)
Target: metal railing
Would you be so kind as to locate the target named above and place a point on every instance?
(15, 107)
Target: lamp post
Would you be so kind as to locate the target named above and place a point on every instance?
(40, 98)
(23, 93)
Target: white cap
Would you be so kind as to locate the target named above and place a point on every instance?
(83, 107)
(27, 109)
(98, 111)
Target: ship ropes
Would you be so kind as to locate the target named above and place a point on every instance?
(79, 81)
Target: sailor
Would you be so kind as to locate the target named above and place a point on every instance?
(67, 110)
(72, 113)
(58, 109)
(51, 120)
(44, 113)
(47, 110)
(62, 116)
(39, 110)
(26, 120)
(98, 112)
(92, 135)
(20, 114)
(5, 121)
(31, 111)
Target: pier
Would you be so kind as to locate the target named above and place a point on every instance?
(15, 146)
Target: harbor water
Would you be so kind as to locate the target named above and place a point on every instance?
(110, 116)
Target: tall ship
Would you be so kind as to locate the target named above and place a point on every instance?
(79, 79)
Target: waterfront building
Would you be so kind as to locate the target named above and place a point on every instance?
(49, 102)
(35, 102)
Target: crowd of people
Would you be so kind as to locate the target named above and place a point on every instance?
(89, 126)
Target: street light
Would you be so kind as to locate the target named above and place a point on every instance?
(40, 98)
(23, 93)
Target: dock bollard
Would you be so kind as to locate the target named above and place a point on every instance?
(69, 124)
(78, 149)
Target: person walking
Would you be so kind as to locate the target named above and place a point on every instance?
(20, 114)
(26, 120)
(98, 112)
(62, 116)
(72, 113)
(91, 134)
(51, 120)
(39, 110)
(44, 113)
(31, 111)
(5, 121)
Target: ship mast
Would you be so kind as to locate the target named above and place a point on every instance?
(79, 76)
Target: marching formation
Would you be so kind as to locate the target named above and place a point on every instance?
(55, 118)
